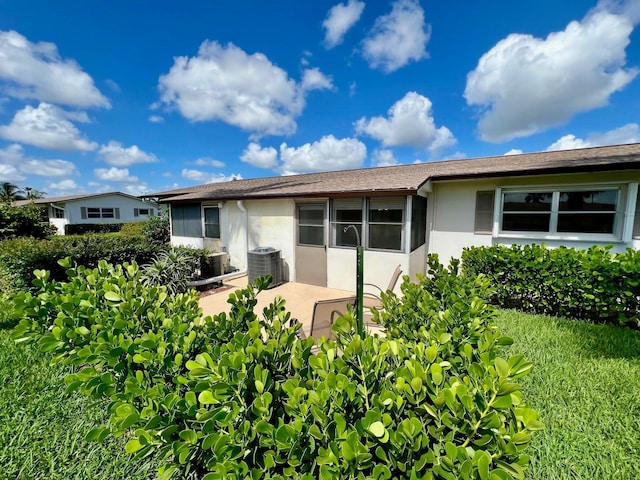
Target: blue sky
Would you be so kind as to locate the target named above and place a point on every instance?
(143, 96)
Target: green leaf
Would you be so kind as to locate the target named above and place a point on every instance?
(112, 296)
(133, 446)
(377, 429)
(206, 398)
(97, 434)
(483, 466)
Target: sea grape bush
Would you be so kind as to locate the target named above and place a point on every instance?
(592, 284)
(241, 396)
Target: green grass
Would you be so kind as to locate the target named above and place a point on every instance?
(586, 386)
(42, 428)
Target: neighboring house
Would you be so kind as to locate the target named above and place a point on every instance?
(113, 207)
(575, 198)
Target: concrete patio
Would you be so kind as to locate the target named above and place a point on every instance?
(300, 298)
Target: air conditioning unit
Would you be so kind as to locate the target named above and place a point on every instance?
(213, 265)
(265, 261)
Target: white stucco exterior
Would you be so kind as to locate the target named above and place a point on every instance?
(451, 214)
(76, 211)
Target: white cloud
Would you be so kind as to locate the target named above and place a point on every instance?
(514, 151)
(314, 79)
(48, 168)
(397, 38)
(64, 187)
(209, 162)
(10, 158)
(260, 157)
(114, 174)
(117, 155)
(525, 84)
(136, 188)
(36, 70)
(328, 153)
(49, 127)
(410, 123)
(384, 158)
(629, 133)
(225, 83)
(199, 176)
(156, 119)
(340, 19)
(14, 166)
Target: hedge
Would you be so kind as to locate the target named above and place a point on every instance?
(86, 228)
(22, 256)
(238, 396)
(591, 284)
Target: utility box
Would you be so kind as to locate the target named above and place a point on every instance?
(264, 261)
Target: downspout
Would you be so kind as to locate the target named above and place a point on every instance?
(243, 209)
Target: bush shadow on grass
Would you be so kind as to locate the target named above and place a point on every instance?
(590, 340)
(601, 340)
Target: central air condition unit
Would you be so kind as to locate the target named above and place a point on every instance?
(265, 261)
(213, 265)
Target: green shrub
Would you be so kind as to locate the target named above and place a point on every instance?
(172, 269)
(133, 229)
(26, 221)
(24, 255)
(156, 230)
(235, 396)
(87, 228)
(591, 284)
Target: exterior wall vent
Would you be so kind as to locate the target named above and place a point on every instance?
(264, 261)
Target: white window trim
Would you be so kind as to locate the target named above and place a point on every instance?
(364, 224)
(204, 223)
(621, 223)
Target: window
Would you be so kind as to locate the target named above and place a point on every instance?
(98, 212)
(378, 222)
(311, 224)
(143, 212)
(57, 212)
(561, 211)
(108, 213)
(345, 212)
(386, 222)
(211, 222)
(186, 220)
(484, 212)
(418, 222)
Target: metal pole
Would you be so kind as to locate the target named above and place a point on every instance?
(360, 292)
(359, 282)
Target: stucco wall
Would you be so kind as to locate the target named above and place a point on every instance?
(417, 262)
(452, 212)
(272, 224)
(378, 267)
(191, 242)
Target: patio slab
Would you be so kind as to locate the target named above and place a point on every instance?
(300, 298)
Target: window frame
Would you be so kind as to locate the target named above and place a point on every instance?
(552, 232)
(401, 223)
(299, 224)
(205, 223)
(365, 223)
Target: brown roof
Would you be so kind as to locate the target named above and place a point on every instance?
(409, 178)
(69, 198)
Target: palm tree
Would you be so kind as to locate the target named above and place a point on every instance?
(10, 192)
(32, 193)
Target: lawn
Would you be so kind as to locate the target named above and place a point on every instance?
(42, 428)
(586, 386)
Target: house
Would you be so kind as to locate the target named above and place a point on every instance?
(401, 213)
(112, 207)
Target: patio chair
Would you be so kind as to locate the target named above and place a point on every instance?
(325, 312)
(373, 300)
